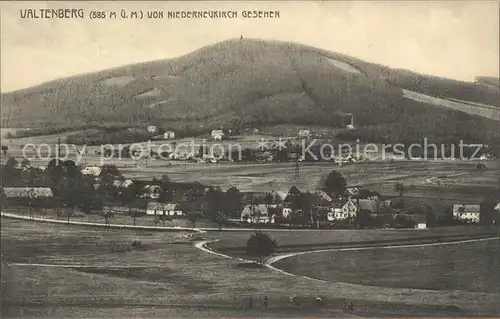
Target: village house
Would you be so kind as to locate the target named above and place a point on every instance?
(304, 134)
(165, 209)
(466, 213)
(91, 170)
(256, 214)
(217, 135)
(152, 129)
(342, 209)
(420, 221)
(122, 183)
(168, 135)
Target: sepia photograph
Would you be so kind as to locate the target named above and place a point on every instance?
(250, 159)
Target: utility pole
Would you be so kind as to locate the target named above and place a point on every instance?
(296, 169)
(317, 213)
(58, 155)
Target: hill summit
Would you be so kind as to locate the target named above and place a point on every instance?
(249, 82)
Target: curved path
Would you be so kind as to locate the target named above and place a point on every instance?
(477, 302)
(202, 245)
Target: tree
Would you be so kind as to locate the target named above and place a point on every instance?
(134, 213)
(430, 217)
(25, 162)
(487, 211)
(163, 218)
(215, 202)
(220, 218)
(69, 211)
(5, 149)
(260, 245)
(363, 219)
(193, 217)
(334, 184)
(107, 215)
(400, 188)
(232, 202)
(268, 199)
(11, 163)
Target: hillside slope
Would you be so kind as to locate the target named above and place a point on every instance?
(248, 82)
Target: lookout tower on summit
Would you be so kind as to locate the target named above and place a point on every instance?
(350, 126)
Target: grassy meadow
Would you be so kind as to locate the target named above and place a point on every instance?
(124, 273)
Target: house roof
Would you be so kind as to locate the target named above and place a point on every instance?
(152, 188)
(323, 195)
(163, 206)
(466, 208)
(339, 202)
(294, 191)
(91, 170)
(419, 219)
(33, 192)
(281, 194)
(352, 191)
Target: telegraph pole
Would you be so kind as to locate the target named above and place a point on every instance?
(58, 155)
(297, 170)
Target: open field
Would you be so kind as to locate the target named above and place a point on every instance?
(452, 180)
(102, 274)
(233, 243)
(468, 266)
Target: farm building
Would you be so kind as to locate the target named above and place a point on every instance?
(36, 196)
(466, 213)
(169, 135)
(168, 209)
(258, 214)
(91, 170)
(217, 135)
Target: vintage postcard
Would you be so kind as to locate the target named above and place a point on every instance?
(250, 159)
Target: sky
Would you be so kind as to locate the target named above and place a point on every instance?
(458, 40)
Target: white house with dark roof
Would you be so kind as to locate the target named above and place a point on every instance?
(467, 213)
(217, 135)
(168, 135)
(342, 210)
